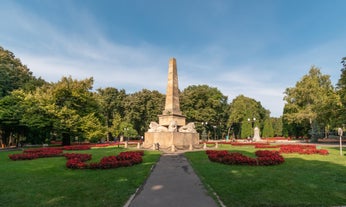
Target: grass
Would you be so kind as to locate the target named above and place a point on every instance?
(303, 180)
(47, 182)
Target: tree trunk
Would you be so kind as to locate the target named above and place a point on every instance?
(66, 140)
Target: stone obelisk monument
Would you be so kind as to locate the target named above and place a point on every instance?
(172, 107)
(172, 131)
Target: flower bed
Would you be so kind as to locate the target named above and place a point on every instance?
(302, 149)
(77, 147)
(124, 159)
(31, 154)
(266, 146)
(307, 149)
(78, 161)
(264, 158)
(81, 157)
(243, 143)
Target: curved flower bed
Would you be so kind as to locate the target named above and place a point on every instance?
(264, 158)
(124, 159)
(78, 161)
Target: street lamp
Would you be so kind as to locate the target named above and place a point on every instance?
(340, 132)
(253, 120)
(204, 133)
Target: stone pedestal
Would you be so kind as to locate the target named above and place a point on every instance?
(166, 120)
(167, 139)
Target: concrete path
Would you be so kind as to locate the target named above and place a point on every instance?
(172, 183)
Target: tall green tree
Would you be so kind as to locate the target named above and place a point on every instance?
(36, 118)
(311, 102)
(143, 107)
(11, 113)
(202, 103)
(277, 126)
(112, 103)
(268, 130)
(72, 106)
(341, 90)
(242, 112)
(14, 75)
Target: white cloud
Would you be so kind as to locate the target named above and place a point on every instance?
(51, 52)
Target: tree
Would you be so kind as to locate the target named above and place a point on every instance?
(202, 103)
(143, 107)
(268, 130)
(313, 99)
(92, 128)
(10, 116)
(341, 90)
(277, 126)
(14, 75)
(36, 118)
(72, 107)
(242, 111)
(111, 101)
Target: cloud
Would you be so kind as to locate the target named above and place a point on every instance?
(233, 63)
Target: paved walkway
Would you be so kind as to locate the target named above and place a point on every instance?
(172, 183)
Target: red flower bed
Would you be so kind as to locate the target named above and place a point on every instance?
(124, 159)
(26, 156)
(266, 146)
(81, 157)
(295, 148)
(76, 163)
(36, 153)
(77, 147)
(302, 149)
(264, 157)
(242, 143)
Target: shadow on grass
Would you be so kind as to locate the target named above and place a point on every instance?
(303, 180)
(47, 181)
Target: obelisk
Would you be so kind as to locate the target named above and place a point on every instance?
(171, 131)
(172, 107)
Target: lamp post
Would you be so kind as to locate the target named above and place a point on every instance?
(204, 133)
(253, 120)
(340, 132)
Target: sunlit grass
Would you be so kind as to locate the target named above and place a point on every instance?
(47, 182)
(303, 180)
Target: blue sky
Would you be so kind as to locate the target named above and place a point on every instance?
(257, 48)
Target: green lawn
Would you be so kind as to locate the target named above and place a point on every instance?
(47, 182)
(303, 180)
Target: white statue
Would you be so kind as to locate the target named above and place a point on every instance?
(173, 126)
(190, 127)
(256, 136)
(155, 127)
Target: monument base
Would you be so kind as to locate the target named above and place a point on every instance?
(167, 139)
(165, 120)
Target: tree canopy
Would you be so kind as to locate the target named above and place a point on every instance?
(245, 114)
(35, 111)
(311, 103)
